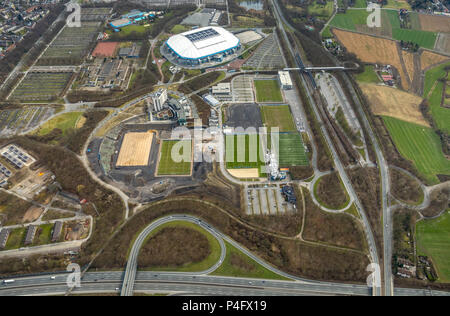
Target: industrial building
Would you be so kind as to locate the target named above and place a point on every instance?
(30, 235)
(4, 234)
(57, 229)
(200, 46)
(285, 80)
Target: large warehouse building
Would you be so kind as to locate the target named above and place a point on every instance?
(201, 46)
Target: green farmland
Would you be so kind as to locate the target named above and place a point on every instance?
(167, 165)
(421, 145)
(433, 89)
(278, 116)
(356, 20)
(268, 91)
(240, 154)
(433, 241)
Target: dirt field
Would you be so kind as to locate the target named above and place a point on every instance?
(408, 59)
(373, 50)
(395, 103)
(244, 173)
(428, 59)
(135, 149)
(32, 214)
(443, 42)
(434, 23)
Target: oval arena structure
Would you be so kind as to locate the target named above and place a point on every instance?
(203, 45)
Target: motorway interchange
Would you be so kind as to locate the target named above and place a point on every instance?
(190, 283)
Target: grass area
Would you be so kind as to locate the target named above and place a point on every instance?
(63, 121)
(350, 19)
(179, 28)
(321, 10)
(278, 116)
(239, 153)
(16, 238)
(420, 145)
(368, 76)
(212, 258)
(169, 164)
(237, 264)
(45, 235)
(432, 240)
(395, 4)
(268, 91)
(127, 30)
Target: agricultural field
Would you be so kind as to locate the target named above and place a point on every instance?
(419, 144)
(278, 116)
(428, 59)
(64, 122)
(395, 103)
(356, 20)
(167, 165)
(432, 240)
(239, 153)
(268, 91)
(434, 23)
(71, 45)
(373, 50)
(433, 92)
(21, 120)
(41, 86)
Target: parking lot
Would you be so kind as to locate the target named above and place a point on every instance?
(17, 121)
(266, 200)
(243, 115)
(267, 56)
(242, 89)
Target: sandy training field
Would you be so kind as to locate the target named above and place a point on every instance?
(135, 149)
(244, 173)
(392, 102)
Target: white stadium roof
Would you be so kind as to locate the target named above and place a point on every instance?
(202, 42)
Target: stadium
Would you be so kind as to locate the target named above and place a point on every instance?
(202, 47)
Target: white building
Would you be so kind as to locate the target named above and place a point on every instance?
(158, 99)
(285, 80)
(207, 44)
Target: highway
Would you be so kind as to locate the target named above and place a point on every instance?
(164, 282)
(131, 269)
(343, 174)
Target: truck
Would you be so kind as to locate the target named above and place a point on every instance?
(8, 281)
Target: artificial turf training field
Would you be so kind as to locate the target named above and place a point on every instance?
(278, 116)
(167, 165)
(419, 144)
(432, 240)
(240, 154)
(291, 150)
(268, 91)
